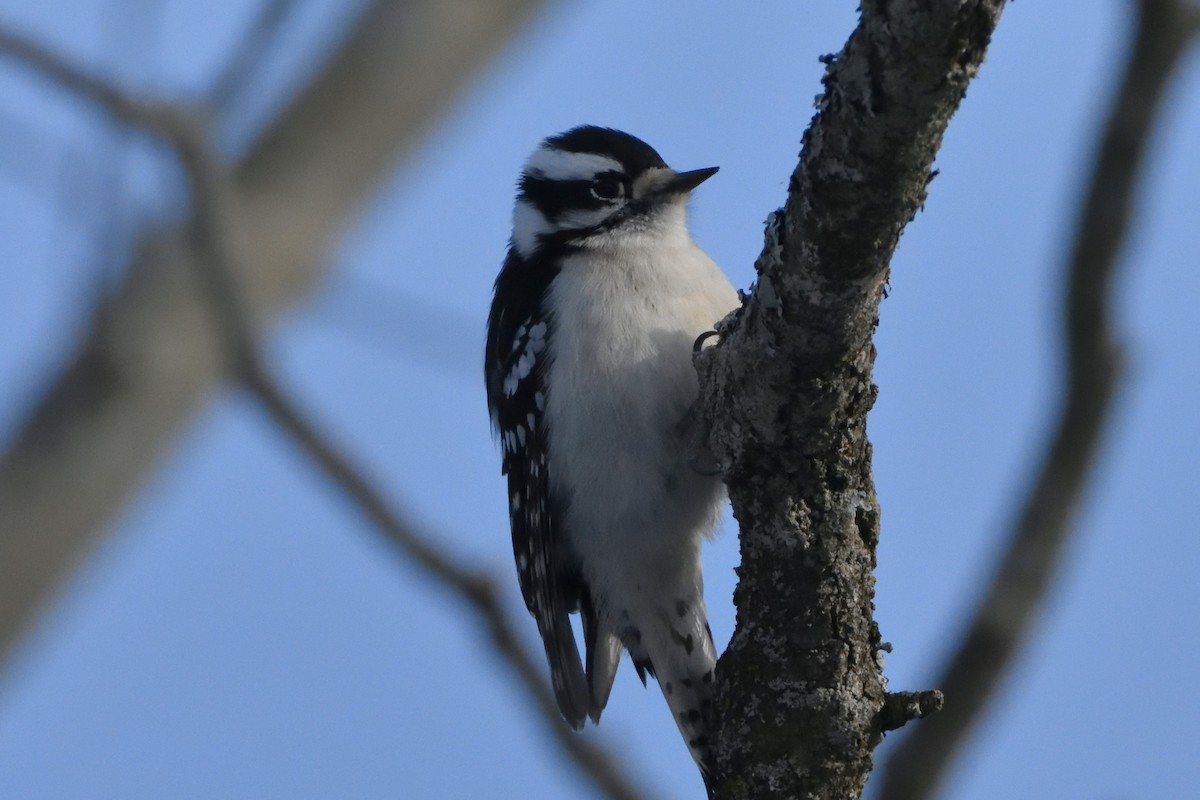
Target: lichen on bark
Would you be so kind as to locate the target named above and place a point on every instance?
(800, 690)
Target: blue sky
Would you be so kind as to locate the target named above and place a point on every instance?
(243, 634)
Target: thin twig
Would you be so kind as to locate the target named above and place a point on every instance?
(151, 117)
(1005, 616)
(390, 322)
(215, 272)
(257, 43)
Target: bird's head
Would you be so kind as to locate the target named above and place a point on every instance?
(591, 182)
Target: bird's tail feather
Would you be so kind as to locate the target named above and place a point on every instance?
(603, 656)
(566, 670)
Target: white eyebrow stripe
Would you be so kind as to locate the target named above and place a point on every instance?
(559, 165)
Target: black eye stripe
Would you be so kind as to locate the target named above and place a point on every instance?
(554, 198)
(536, 186)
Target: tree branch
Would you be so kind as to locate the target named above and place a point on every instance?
(211, 234)
(251, 51)
(1006, 613)
(901, 708)
(800, 694)
(150, 357)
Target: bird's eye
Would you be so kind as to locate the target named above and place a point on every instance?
(607, 187)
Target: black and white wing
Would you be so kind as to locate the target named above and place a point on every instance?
(515, 371)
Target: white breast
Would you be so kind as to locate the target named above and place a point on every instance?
(626, 313)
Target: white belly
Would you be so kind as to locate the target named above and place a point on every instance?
(620, 383)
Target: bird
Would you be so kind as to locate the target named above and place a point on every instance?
(591, 391)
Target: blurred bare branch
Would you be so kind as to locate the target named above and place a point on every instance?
(1005, 616)
(394, 323)
(216, 270)
(150, 358)
(255, 46)
(132, 30)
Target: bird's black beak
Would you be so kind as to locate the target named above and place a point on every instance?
(684, 182)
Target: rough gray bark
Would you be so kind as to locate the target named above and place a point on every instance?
(1005, 616)
(151, 358)
(800, 690)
